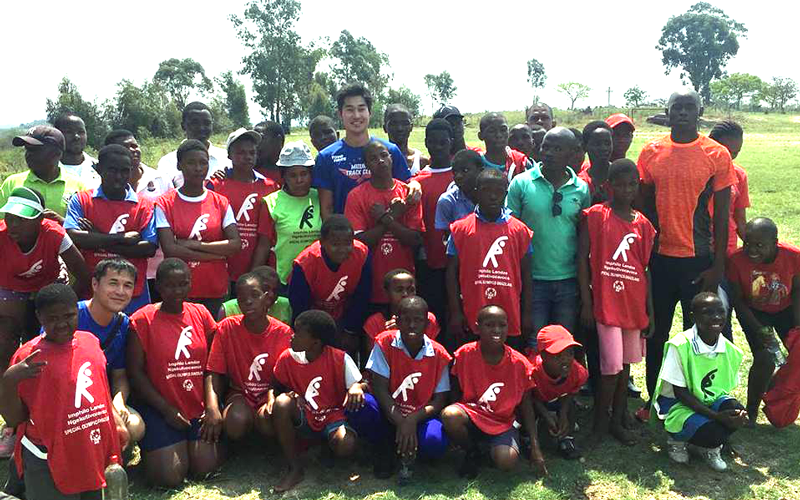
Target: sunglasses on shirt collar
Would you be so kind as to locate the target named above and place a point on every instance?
(557, 198)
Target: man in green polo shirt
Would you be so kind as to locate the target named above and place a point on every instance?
(44, 146)
(549, 198)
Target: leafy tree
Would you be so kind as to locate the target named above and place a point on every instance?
(235, 100)
(733, 89)
(147, 111)
(69, 100)
(441, 87)
(779, 92)
(700, 43)
(635, 96)
(357, 60)
(575, 91)
(407, 98)
(536, 76)
(180, 77)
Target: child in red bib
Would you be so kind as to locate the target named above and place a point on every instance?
(410, 382)
(167, 353)
(243, 354)
(56, 393)
(318, 384)
(492, 384)
(490, 263)
(382, 218)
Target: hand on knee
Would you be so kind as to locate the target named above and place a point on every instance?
(238, 419)
(263, 422)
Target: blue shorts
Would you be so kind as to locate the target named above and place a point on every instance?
(159, 434)
(694, 422)
(307, 432)
(508, 438)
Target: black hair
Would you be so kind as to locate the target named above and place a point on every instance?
(117, 136)
(55, 293)
(763, 224)
(258, 278)
(490, 174)
(171, 264)
(409, 302)
(270, 127)
(319, 121)
(356, 89)
(388, 277)
(483, 309)
(266, 273)
(488, 116)
(61, 121)
(394, 108)
(589, 129)
(319, 324)
(116, 264)
(469, 156)
(701, 297)
(194, 106)
(439, 124)
(335, 222)
(106, 152)
(578, 137)
(188, 146)
(726, 128)
(621, 167)
(373, 143)
(539, 105)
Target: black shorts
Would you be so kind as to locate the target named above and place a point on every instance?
(781, 321)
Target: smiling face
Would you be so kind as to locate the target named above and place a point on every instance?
(114, 290)
(492, 326)
(412, 320)
(59, 321)
(760, 245)
(355, 115)
(709, 316)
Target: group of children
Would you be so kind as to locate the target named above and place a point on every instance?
(408, 320)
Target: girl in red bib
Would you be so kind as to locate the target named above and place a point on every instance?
(198, 226)
(167, 353)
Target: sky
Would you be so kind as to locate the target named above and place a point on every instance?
(600, 44)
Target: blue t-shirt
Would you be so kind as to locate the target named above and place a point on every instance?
(339, 168)
(115, 352)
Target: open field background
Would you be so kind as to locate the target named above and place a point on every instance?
(769, 465)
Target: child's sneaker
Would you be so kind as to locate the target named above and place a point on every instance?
(7, 441)
(714, 460)
(677, 451)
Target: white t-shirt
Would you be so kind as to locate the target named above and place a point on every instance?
(672, 370)
(151, 186)
(168, 164)
(85, 171)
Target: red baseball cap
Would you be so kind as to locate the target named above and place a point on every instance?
(39, 136)
(619, 118)
(554, 338)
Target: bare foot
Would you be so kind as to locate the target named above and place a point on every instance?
(595, 439)
(292, 478)
(628, 421)
(622, 435)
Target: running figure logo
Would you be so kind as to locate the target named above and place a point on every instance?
(312, 391)
(199, 225)
(406, 385)
(256, 366)
(248, 204)
(490, 395)
(305, 220)
(82, 384)
(338, 289)
(184, 341)
(33, 270)
(119, 225)
(494, 250)
(624, 246)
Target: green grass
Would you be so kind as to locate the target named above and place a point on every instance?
(769, 466)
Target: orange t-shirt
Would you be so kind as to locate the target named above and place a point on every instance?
(685, 177)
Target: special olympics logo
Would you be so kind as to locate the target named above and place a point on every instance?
(619, 286)
(188, 385)
(95, 436)
(490, 293)
(386, 248)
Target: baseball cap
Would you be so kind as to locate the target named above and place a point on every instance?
(24, 203)
(242, 132)
(296, 154)
(554, 338)
(446, 111)
(39, 136)
(619, 118)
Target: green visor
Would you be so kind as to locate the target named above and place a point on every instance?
(24, 203)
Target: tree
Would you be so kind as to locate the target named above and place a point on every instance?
(317, 101)
(441, 87)
(733, 89)
(180, 77)
(357, 60)
(235, 100)
(69, 100)
(779, 92)
(700, 43)
(635, 96)
(575, 91)
(407, 98)
(147, 111)
(536, 76)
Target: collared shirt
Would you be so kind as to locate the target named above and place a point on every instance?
(377, 361)
(56, 193)
(453, 205)
(168, 164)
(84, 171)
(505, 215)
(555, 241)
(75, 212)
(152, 184)
(672, 369)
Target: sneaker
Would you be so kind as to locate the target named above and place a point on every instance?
(633, 390)
(7, 442)
(677, 451)
(714, 460)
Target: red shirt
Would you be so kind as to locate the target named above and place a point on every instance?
(176, 350)
(598, 195)
(411, 381)
(69, 408)
(618, 258)
(272, 174)
(548, 389)
(30, 272)
(491, 393)
(376, 324)
(321, 383)
(201, 221)
(246, 200)
(434, 183)
(766, 287)
(489, 256)
(740, 199)
(330, 290)
(389, 253)
(113, 217)
(247, 358)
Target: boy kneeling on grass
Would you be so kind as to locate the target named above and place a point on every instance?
(692, 396)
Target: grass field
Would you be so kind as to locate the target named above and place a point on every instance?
(769, 464)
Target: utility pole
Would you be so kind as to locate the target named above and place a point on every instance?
(609, 96)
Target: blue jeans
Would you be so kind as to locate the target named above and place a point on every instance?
(554, 303)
